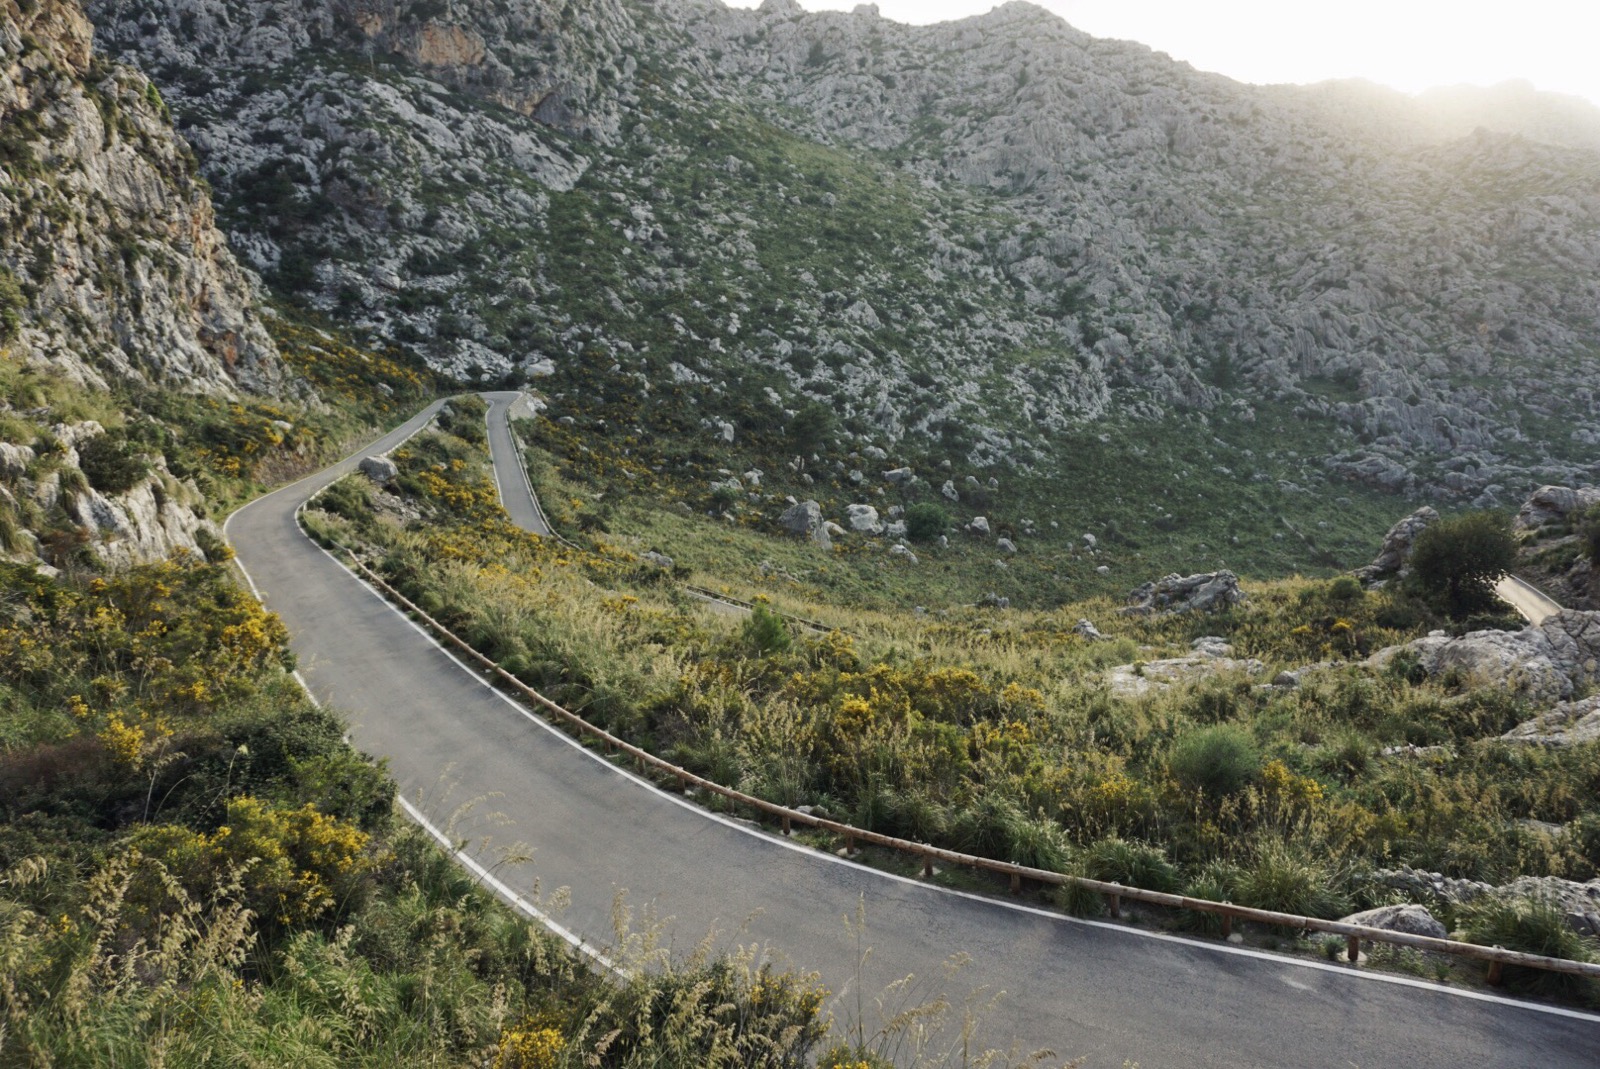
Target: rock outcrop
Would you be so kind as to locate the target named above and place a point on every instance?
(1579, 902)
(1205, 592)
(1410, 919)
(1211, 655)
(1390, 563)
(805, 519)
(1545, 663)
(106, 229)
(1555, 505)
(1568, 724)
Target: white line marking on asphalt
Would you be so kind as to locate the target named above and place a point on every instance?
(504, 891)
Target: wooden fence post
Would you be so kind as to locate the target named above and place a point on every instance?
(1353, 949)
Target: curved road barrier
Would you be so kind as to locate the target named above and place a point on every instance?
(501, 782)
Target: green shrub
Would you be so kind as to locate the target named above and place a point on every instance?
(765, 631)
(1457, 561)
(1532, 926)
(1079, 901)
(111, 463)
(1284, 881)
(348, 498)
(1590, 531)
(1217, 761)
(11, 306)
(1217, 881)
(926, 521)
(1131, 864)
(1345, 589)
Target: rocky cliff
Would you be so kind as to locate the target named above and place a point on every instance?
(113, 275)
(107, 240)
(984, 233)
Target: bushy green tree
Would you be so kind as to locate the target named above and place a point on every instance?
(1591, 534)
(1457, 561)
(811, 428)
(926, 521)
(11, 306)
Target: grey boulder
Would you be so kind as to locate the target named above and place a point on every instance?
(380, 470)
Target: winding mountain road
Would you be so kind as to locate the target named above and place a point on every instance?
(1099, 990)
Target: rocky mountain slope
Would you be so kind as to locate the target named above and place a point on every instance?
(106, 231)
(112, 275)
(979, 234)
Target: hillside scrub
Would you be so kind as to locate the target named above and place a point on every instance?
(995, 731)
(195, 869)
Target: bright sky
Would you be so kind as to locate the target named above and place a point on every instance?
(1407, 44)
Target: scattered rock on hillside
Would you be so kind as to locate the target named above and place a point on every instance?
(1553, 504)
(1087, 629)
(1579, 902)
(660, 560)
(1392, 559)
(978, 527)
(805, 519)
(863, 519)
(900, 477)
(380, 470)
(1205, 592)
(949, 491)
(1005, 545)
(991, 600)
(1567, 724)
(1211, 655)
(1410, 919)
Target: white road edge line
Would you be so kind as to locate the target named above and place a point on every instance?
(516, 900)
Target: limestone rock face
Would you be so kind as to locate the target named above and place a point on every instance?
(1205, 592)
(1547, 662)
(1391, 559)
(1152, 257)
(1210, 656)
(1568, 724)
(106, 227)
(1554, 504)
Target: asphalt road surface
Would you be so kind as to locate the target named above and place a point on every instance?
(501, 780)
(1532, 603)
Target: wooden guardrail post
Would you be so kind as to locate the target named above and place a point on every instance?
(786, 829)
(1497, 970)
(1016, 883)
(1114, 905)
(927, 864)
(1227, 926)
(1352, 949)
